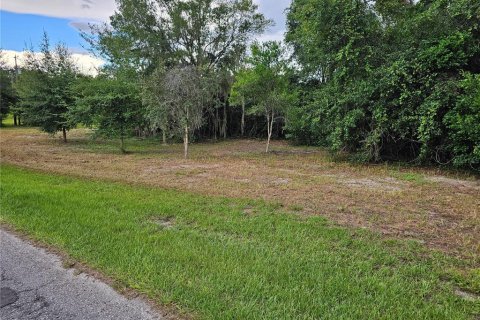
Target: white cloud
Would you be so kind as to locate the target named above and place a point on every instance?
(98, 10)
(272, 36)
(81, 12)
(86, 63)
(275, 10)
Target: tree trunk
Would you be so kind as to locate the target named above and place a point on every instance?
(122, 144)
(270, 119)
(215, 124)
(268, 132)
(164, 137)
(224, 125)
(185, 142)
(242, 128)
(15, 123)
(64, 131)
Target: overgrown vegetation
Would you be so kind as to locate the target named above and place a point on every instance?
(226, 259)
(379, 80)
(389, 80)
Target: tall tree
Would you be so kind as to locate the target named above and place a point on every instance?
(265, 84)
(202, 33)
(7, 93)
(45, 87)
(222, 81)
(240, 92)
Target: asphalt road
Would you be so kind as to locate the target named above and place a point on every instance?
(34, 285)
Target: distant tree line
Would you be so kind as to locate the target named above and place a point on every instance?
(382, 80)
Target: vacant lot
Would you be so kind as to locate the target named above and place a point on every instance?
(220, 258)
(437, 208)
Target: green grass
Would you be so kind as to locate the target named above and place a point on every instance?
(221, 258)
(8, 121)
(411, 177)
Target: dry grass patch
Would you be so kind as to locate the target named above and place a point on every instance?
(431, 206)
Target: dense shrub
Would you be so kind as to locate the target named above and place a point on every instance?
(389, 80)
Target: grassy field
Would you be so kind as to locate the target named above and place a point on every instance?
(438, 208)
(221, 258)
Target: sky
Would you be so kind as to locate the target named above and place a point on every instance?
(22, 23)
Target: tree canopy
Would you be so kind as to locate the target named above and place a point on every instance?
(383, 79)
(110, 105)
(45, 87)
(202, 33)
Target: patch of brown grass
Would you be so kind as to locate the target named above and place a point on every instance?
(437, 209)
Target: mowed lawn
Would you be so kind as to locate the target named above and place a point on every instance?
(220, 258)
(440, 208)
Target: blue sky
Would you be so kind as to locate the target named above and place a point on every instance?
(21, 30)
(23, 22)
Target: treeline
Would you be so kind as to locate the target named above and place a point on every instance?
(377, 80)
(389, 79)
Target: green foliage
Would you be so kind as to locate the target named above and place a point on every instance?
(387, 81)
(110, 105)
(157, 112)
(176, 99)
(185, 93)
(463, 123)
(8, 95)
(265, 84)
(241, 87)
(148, 37)
(201, 33)
(378, 80)
(45, 88)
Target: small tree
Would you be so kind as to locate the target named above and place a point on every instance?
(241, 93)
(110, 105)
(185, 92)
(265, 84)
(45, 88)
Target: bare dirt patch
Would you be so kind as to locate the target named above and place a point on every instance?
(456, 183)
(164, 223)
(443, 213)
(379, 184)
(467, 295)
